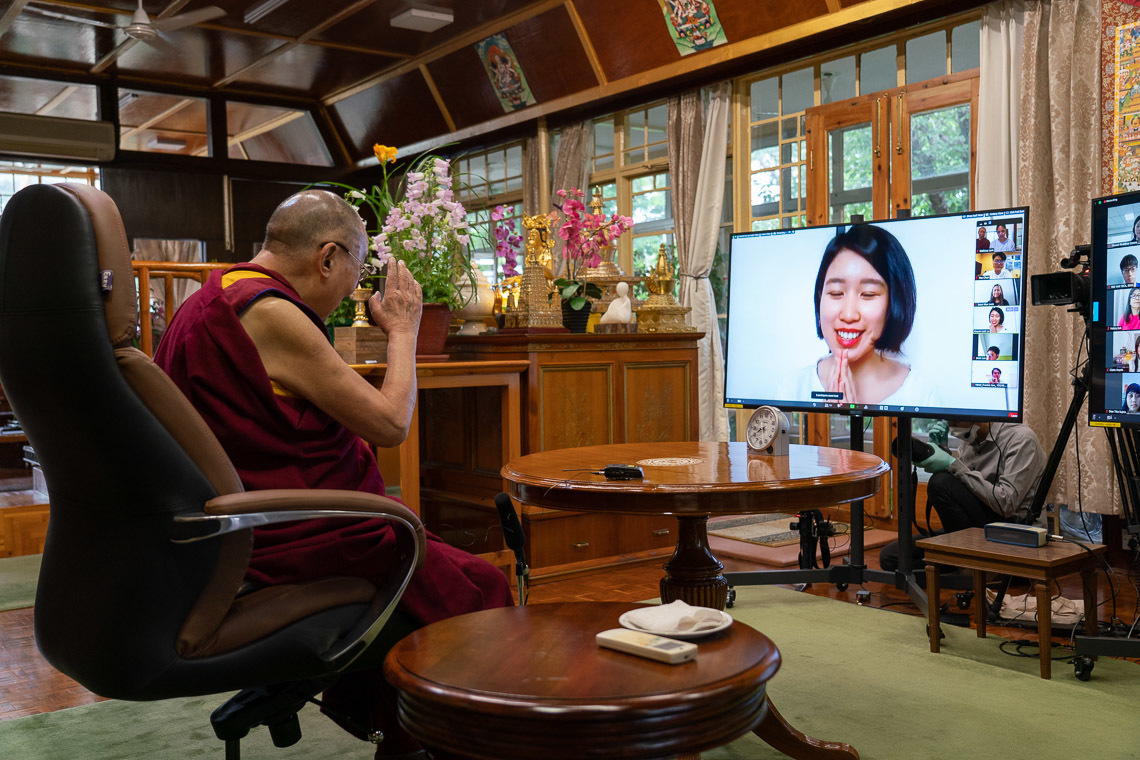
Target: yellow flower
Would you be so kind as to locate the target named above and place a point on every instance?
(384, 154)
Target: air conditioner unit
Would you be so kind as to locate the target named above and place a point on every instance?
(52, 137)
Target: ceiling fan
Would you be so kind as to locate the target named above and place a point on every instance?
(142, 28)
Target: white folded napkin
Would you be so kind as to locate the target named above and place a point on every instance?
(676, 617)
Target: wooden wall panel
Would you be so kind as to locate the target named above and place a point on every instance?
(253, 203)
(442, 443)
(575, 406)
(653, 395)
(159, 204)
(398, 111)
(630, 36)
(488, 430)
(742, 19)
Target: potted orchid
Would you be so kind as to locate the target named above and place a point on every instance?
(508, 243)
(587, 236)
(424, 225)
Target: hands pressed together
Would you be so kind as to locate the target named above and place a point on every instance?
(840, 378)
(400, 308)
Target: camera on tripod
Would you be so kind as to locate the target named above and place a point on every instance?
(1067, 287)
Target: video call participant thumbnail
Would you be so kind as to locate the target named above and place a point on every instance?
(983, 241)
(998, 270)
(1130, 319)
(1128, 265)
(1003, 242)
(1131, 403)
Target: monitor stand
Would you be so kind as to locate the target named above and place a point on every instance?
(853, 570)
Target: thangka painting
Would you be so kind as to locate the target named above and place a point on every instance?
(506, 75)
(1126, 119)
(693, 24)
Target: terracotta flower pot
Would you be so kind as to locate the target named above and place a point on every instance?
(434, 322)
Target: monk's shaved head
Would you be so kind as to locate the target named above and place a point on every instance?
(309, 219)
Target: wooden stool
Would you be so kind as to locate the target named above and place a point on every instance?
(520, 683)
(969, 549)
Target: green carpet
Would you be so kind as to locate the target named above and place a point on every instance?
(850, 673)
(18, 576)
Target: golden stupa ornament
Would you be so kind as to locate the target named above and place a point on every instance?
(535, 308)
(607, 274)
(661, 313)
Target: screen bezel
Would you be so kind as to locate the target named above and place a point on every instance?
(876, 410)
(1099, 315)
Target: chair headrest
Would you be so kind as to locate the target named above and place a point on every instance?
(120, 303)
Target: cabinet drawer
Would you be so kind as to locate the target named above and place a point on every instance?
(640, 532)
(572, 538)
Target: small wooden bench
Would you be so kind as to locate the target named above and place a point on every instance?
(969, 549)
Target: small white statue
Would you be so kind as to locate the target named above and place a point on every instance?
(620, 310)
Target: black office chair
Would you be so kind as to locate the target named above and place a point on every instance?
(150, 531)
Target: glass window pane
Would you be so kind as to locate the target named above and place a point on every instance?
(764, 97)
(940, 161)
(603, 137)
(635, 129)
(878, 70)
(765, 146)
(649, 207)
(798, 91)
(606, 162)
(837, 80)
(281, 135)
(789, 128)
(496, 165)
(849, 169)
(765, 193)
(965, 41)
(926, 57)
(158, 123)
(659, 150)
(49, 98)
(514, 161)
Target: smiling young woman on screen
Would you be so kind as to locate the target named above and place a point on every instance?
(865, 300)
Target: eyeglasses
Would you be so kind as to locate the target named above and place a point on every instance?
(363, 264)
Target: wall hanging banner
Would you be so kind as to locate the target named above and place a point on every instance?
(1126, 119)
(506, 75)
(693, 24)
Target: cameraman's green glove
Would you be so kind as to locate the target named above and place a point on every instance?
(939, 432)
(938, 461)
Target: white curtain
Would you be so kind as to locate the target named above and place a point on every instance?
(999, 104)
(696, 291)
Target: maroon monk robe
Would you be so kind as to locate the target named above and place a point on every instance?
(279, 440)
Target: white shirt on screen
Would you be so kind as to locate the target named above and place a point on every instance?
(914, 391)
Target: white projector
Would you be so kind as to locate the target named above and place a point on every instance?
(1015, 533)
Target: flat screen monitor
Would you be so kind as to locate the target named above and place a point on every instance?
(917, 317)
(1114, 311)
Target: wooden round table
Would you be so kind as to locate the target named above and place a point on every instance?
(693, 480)
(527, 683)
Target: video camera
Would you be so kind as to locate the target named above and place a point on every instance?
(1064, 288)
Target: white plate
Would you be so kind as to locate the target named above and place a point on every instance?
(625, 622)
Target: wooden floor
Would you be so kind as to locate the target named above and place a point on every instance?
(28, 685)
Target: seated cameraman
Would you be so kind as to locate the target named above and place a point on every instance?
(993, 478)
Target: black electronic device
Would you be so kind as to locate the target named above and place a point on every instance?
(622, 472)
(920, 450)
(941, 296)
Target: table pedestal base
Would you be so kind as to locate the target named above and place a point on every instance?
(694, 575)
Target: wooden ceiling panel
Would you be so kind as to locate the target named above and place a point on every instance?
(465, 88)
(630, 36)
(22, 95)
(398, 111)
(41, 40)
(293, 18)
(172, 111)
(371, 28)
(742, 19)
(313, 70)
(552, 56)
(195, 56)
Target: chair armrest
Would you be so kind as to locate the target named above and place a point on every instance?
(250, 509)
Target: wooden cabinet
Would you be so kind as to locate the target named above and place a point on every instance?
(578, 390)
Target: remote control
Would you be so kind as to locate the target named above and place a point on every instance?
(647, 645)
